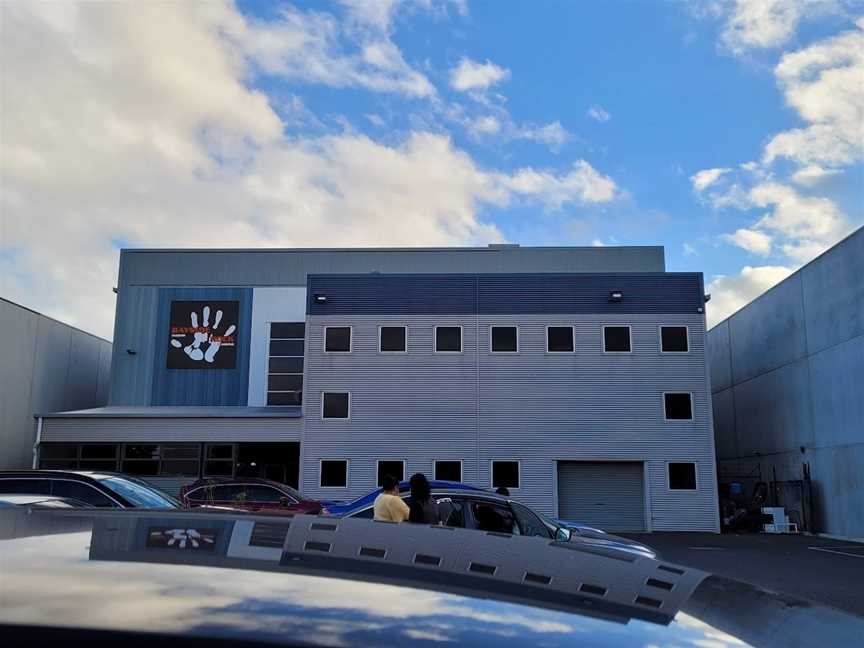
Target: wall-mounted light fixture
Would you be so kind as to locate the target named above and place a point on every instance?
(706, 297)
(616, 295)
(318, 298)
(131, 352)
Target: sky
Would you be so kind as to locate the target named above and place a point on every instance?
(729, 132)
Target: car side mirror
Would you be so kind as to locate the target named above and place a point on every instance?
(562, 534)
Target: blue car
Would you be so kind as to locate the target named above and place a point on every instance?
(343, 509)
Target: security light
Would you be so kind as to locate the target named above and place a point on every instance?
(320, 299)
(616, 296)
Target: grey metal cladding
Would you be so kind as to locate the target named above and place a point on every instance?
(541, 293)
(273, 267)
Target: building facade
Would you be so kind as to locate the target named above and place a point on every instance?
(45, 366)
(787, 374)
(576, 377)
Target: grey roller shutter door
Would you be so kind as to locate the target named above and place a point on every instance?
(608, 495)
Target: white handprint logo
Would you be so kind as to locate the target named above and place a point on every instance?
(203, 335)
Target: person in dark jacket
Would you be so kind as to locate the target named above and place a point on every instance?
(423, 509)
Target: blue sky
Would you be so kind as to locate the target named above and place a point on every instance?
(430, 122)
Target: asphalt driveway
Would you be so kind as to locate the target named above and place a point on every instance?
(829, 572)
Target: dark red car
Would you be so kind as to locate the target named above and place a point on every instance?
(247, 493)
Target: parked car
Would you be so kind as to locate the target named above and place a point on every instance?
(345, 509)
(484, 511)
(42, 502)
(99, 489)
(247, 493)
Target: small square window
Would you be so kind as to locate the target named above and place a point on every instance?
(673, 339)
(393, 339)
(335, 405)
(334, 473)
(448, 471)
(337, 339)
(390, 467)
(678, 406)
(505, 473)
(616, 339)
(505, 339)
(448, 339)
(682, 476)
(559, 339)
(287, 330)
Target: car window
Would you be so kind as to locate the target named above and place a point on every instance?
(365, 514)
(451, 512)
(199, 494)
(493, 517)
(263, 494)
(529, 524)
(139, 495)
(229, 493)
(83, 492)
(25, 487)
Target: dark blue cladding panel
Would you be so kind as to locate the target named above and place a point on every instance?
(208, 386)
(502, 293)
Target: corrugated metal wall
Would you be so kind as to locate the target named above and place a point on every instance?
(45, 366)
(609, 495)
(170, 430)
(532, 406)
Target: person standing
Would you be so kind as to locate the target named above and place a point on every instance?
(388, 506)
(423, 508)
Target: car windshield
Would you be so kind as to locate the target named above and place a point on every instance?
(139, 495)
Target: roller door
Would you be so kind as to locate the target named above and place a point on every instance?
(608, 495)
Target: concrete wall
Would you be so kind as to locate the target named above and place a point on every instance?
(46, 366)
(787, 374)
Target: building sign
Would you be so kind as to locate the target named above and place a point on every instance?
(203, 335)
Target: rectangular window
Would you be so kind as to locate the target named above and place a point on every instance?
(682, 476)
(337, 339)
(677, 406)
(448, 470)
(448, 339)
(674, 339)
(140, 459)
(505, 339)
(334, 473)
(560, 339)
(181, 459)
(285, 364)
(395, 468)
(505, 473)
(219, 460)
(616, 339)
(393, 339)
(335, 405)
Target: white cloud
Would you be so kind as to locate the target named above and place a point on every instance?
(487, 125)
(761, 24)
(812, 175)
(553, 134)
(470, 75)
(583, 184)
(689, 250)
(318, 47)
(135, 127)
(730, 293)
(751, 240)
(707, 177)
(598, 114)
(824, 83)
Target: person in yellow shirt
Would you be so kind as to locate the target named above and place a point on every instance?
(389, 507)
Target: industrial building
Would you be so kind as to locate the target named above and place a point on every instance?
(575, 377)
(787, 375)
(45, 366)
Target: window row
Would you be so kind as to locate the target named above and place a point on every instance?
(142, 459)
(333, 473)
(504, 338)
(677, 406)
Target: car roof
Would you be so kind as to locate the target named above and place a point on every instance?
(218, 481)
(47, 474)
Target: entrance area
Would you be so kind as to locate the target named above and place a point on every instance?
(277, 461)
(606, 494)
